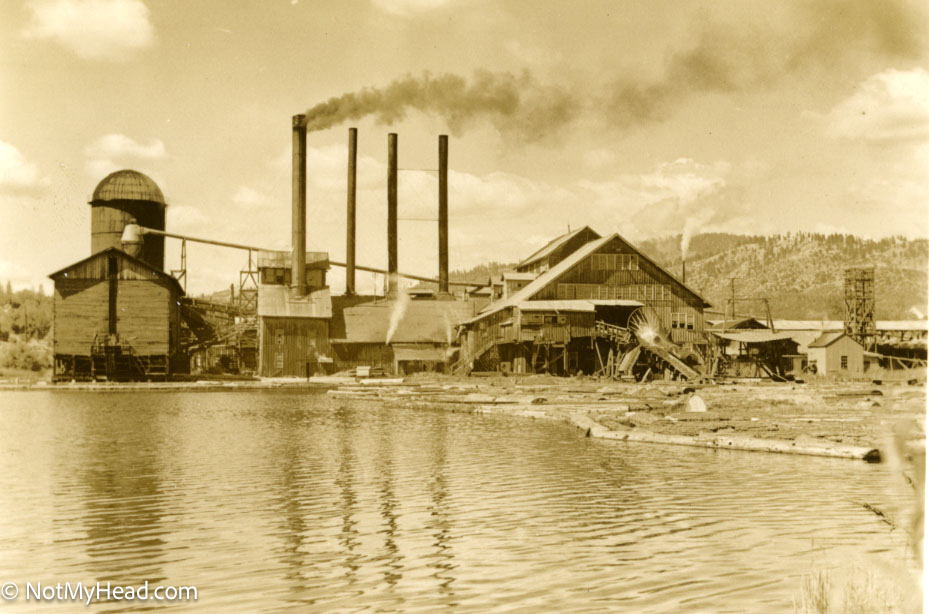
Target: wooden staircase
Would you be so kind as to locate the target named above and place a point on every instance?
(117, 360)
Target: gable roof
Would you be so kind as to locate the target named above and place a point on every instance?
(554, 244)
(115, 250)
(551, 275)
(827, 339)
(536, 285)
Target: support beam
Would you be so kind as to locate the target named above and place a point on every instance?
(298, 209)
(392, 214)
(443, 213)
(350, 213)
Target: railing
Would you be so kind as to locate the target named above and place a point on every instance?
(614, 333)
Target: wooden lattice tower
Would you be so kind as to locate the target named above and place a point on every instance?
(859, 305)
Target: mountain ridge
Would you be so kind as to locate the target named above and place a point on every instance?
(802, 274)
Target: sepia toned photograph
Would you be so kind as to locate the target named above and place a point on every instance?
(466, 306)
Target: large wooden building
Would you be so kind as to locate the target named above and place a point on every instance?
(587, 289)
(116, 317)
(293, 331)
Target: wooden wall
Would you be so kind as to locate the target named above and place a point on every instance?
(287, 344)
(642, 281)
(147, 315)
(554, 327)
(144, 315)
(80, 312)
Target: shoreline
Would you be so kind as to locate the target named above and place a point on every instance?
(852, 420)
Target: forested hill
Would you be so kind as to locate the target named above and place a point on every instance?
(801, 274)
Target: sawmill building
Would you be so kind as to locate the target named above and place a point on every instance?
(581, 294)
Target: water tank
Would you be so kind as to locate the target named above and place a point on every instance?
(121, 197)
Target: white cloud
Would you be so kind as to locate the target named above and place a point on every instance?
(674, 197)
(111, 151)
(116, 145)
(250, 199)
(16, 173)
(889, 107)
(93, 29)
(407, 8)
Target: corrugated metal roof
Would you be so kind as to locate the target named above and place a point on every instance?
(128, 185)
(278, 302)
(752, 336)
(903, 325)
(516, 276)
(422, 322)
(585, 305)
(554, 244)
(808, 325)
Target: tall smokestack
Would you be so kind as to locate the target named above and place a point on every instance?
(392, 214)
(298, 257)
(683, 271)
(350, 222)
(443, 213)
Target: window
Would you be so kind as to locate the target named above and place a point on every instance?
(275, 276)
(682, 320)
(844, 362)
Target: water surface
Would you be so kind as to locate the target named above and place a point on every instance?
(277, 501)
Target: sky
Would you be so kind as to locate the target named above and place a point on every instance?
(643, 117)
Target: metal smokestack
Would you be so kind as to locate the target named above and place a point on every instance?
(392, 214)
(298, 257)
(350, 221)
(443, 213)
(683, 271)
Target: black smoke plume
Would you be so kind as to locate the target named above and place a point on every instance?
(517, 105)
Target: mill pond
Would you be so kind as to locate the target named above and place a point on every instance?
(271, 501)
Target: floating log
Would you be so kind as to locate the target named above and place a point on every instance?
(751, 444)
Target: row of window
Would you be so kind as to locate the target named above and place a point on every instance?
(683, 320)
(636, 292)
(270, 276)
(615, 262)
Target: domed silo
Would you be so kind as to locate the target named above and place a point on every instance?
(121, 197)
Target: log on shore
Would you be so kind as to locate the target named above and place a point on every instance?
(751, 444)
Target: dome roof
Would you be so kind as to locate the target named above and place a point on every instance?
(128, 185)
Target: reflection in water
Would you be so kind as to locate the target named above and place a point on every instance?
(439, 524)
(291, 457)
(388, 505)
(345, 481)
(118, 476)
(288, 501)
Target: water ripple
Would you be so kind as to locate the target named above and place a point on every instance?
(275, 501)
